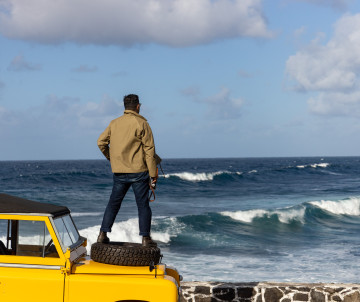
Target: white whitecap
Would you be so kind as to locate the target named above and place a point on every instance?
(286, 215)
(349, 206)
(289, 214)
(128, 231)
(321, 165)
(188, 176)
(245, 216)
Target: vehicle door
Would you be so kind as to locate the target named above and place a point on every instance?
(30, 261)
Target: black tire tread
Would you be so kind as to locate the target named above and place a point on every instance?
(124, 253)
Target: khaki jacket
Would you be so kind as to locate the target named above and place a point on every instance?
(128, 143)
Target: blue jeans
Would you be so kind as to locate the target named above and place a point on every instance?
(122, 182)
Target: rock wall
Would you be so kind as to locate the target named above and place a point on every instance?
(269, 292)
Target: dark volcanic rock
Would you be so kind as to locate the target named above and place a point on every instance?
(204, 290)
(354, 297)
(273, 294)
(245, 292)
(317, 296)
(336, 298)
(224, 293)
(301, 297)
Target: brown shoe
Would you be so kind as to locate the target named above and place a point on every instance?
(148, 242)
(102, 238)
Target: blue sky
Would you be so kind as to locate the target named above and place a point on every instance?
(217, 78)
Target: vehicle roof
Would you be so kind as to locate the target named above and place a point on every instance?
(16, 205)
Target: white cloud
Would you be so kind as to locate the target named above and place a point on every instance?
(332, 69)
(59, 128)
(192, 91)
(220, 106)
(223, 106)
(60, 117)
(336, 103)
(20, 64)
(128, 22)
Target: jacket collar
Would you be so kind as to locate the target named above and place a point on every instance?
(134, 113)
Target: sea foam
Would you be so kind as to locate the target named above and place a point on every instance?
(320, 165)
(245, 216)
(349, 206)
(285, 215)
(188, 176)
(128, 231)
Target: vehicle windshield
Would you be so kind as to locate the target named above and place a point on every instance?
(67, 230)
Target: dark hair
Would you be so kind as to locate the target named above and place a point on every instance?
(131, 101)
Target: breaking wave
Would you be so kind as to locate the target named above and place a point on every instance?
(188, 176)
(320, 165)
(128, 231)
(210, 176)
(286, 215)
(349, 206)
(166, 230)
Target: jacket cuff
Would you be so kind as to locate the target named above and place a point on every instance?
(153, 171)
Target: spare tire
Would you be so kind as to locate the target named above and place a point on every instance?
(125, 253)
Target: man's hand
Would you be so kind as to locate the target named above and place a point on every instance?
(153, 181)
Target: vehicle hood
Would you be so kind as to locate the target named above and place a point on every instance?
(88, 266)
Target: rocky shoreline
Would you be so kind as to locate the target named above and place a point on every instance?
(269, 292)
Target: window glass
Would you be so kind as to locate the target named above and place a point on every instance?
(33, 232)
(3, 235)
(26, 238)
(3, 229)
(66, 230)
(34, 240)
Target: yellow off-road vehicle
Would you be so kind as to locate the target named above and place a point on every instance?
(43, 259)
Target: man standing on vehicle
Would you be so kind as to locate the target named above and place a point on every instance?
(128, 144)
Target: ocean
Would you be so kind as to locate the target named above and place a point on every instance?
(231, 219)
